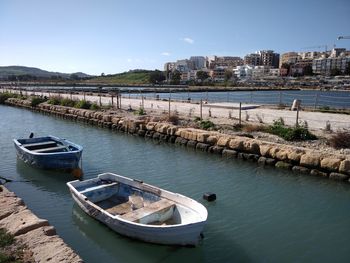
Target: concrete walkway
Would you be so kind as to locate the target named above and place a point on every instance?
(224, 113)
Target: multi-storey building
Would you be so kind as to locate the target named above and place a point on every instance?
(253, 59)
(198, 62)
(289, 58)
(169, 66)
(269, 58)
(326, 65)
(225, 62)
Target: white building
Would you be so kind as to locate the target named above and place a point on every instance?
(243, 72)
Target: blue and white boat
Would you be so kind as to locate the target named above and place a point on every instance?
(49, 152)
(139, 210)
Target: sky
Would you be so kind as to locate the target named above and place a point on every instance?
(113, 36)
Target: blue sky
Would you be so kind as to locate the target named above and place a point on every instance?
(113, 36)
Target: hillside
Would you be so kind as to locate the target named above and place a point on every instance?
(11, 71)
(131, 77)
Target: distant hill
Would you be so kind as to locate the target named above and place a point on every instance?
(21, 71)
(131, 77)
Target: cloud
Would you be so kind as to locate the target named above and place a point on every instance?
(188, 40)
(129, 60)
(165, 54)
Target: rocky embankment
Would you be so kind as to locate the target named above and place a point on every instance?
(35, 235)
(299, 159)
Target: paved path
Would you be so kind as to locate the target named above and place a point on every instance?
(315, 120)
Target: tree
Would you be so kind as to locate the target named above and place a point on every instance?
(287, 67)
(308, 70)
(228, 75)
(335, 72)
(175, 77)
(202, 75)
(156, 77)
(347, 69)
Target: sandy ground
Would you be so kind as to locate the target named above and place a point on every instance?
(227, 113)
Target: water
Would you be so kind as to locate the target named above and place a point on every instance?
(261, 214)
(311, 98)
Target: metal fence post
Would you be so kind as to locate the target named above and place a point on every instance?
(297, 119)
(240, 113)
(316, 100)
(169, 107)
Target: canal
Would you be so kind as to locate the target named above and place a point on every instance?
(260, 215)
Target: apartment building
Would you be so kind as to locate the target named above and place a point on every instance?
(326, 65)
(269, 58)
(198, 62)
(253, 59)
(225, 62)
(289, 58)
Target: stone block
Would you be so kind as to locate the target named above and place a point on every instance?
(339, 176)
(344, 167)
(265, 149)
(212, 139)
(229, 153)
(318, 173)
(330, 164)
(191, 144)
(202, 137)
(300, 169)
(202, 146)
(310, 160)
(283, 165)
(215, 149)
(223, 141)
(262, 160)
(22, 222)
(237, 144)
(48, 247)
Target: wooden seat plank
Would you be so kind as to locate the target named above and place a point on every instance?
(50, 149)
(152, 208)
(39, 144)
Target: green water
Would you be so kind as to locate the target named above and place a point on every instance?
(260, 215)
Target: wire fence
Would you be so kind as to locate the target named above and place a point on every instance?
(315, 99)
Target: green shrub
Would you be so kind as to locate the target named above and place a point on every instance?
(67, 102)
(83, 104)
(35, 101)
(299, 133)
(94, 106)
(140, 111)
(54, 100)
(4, 97)
(5, 238)
(206, 125)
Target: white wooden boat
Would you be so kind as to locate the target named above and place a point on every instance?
(139, 210)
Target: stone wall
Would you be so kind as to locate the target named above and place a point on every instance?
(34, 233)
(298, 159)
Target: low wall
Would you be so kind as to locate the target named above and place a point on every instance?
(298, 159)
(34, 233)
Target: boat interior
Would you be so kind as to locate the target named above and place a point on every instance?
(45, 145)
(135, 205)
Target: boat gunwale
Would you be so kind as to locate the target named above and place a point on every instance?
(203, 213)
(56, 139)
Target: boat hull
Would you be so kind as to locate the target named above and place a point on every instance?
(61, 160)
(186, 234)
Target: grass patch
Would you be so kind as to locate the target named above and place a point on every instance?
(140, 111)
(35, 101)
(5, 238)
(206, 125)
